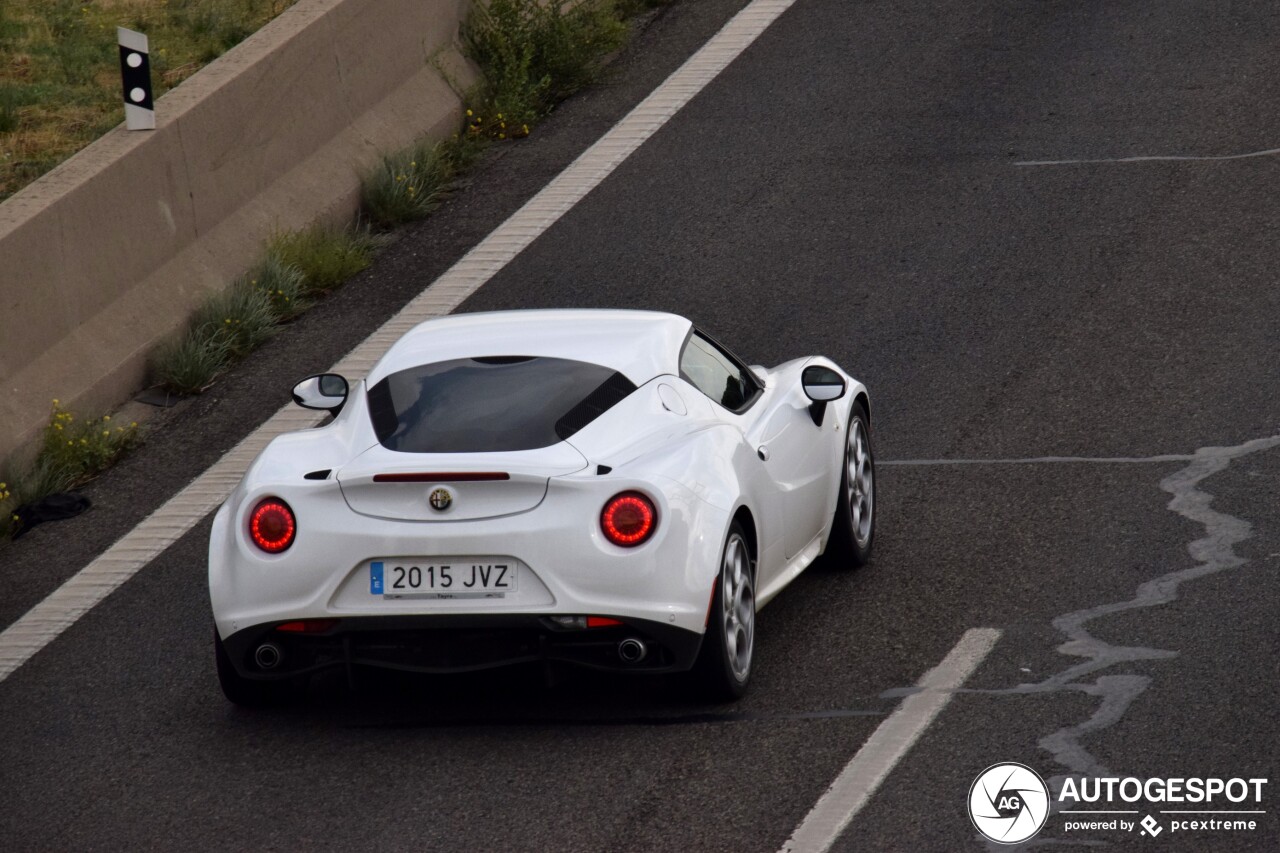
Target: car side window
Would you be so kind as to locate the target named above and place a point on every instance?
(717, 374)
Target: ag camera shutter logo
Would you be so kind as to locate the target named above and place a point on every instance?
(1008, 802)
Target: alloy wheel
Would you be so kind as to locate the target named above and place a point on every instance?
(738, 606)
(859, 481)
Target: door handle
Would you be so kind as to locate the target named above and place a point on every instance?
(763, 453)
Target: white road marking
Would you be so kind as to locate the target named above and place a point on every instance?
(888, 744)
(40, 625)
(1045, 460)
(1158, 158)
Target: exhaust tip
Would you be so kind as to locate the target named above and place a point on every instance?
(632, 650)
(268, 656)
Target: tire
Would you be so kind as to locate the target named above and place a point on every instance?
(723, 669)
(853, 529)
(248, 693)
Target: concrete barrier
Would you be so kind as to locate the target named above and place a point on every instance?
(109, 253)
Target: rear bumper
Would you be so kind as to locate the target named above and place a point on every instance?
(460, 643)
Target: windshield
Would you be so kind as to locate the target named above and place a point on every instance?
(478, 405)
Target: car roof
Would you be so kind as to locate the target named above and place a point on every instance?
(638, 344)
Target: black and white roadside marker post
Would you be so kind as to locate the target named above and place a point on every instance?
(135, 71)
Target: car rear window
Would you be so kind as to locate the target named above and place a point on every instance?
(478, 405)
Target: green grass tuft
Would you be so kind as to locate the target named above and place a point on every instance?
(284, 285)
(72, 452)
(189, 363)
(410, 184)
(226, 328)
(325, 256)
(299, 266)
(534, 54)
(241, 317)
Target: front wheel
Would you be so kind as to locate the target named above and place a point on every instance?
(853, 528)
(724, 663)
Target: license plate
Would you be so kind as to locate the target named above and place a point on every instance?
(465, 578)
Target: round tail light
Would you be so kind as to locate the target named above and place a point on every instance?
(628, 519)
(272, 525)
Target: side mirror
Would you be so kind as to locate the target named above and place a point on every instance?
(821, 386)
(326, 392)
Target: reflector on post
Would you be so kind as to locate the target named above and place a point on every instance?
(135, 74)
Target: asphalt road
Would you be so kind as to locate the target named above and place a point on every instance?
(850, 186)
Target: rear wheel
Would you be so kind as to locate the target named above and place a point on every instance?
(853, 529)
(246, 692)
(724, 663)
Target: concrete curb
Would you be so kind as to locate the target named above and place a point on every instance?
(108, 254)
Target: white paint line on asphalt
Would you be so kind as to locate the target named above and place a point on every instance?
(1046, 460)
(40, 625)
(888, 744)
(1158, 158)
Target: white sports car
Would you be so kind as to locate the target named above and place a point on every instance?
(611, 489)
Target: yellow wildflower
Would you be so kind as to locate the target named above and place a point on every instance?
(468, 112)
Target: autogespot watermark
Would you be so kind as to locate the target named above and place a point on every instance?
(1009, 803)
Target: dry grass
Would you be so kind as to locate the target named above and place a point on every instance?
(59, 77)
